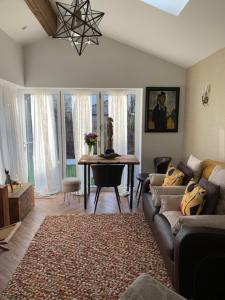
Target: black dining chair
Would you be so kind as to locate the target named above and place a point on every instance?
(107, 176)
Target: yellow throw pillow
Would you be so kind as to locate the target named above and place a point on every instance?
(193, 200)
(173, 177)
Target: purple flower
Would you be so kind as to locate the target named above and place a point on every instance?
(90, 138)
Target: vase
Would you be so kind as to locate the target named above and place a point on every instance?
(90, 150)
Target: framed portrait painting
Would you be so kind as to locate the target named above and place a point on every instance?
(162, 109)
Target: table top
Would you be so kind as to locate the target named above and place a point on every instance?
(96, 159)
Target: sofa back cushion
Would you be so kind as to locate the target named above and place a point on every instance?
(208, 166)
(218, 177)
(195, 165)
(212, 196)
(188, 173)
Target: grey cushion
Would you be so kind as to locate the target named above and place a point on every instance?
(147, 288)
(212, 196)
(218, 177)
(187, 172)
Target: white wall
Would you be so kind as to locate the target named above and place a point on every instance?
(205, 125)
(54, 63)
(11, 60)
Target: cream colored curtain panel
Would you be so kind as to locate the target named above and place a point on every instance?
(12, 133)
(118, 111)
(45, 152)
(82, 123)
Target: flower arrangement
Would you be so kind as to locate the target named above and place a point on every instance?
(90, 138)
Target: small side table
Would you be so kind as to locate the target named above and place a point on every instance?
(21, 201)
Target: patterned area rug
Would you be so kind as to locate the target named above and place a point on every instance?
(86, 257)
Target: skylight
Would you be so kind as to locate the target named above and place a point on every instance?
(173, 7)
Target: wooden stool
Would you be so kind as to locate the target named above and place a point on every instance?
(141, 178)
(70, 185)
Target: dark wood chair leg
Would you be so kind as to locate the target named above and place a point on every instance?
(139, 183)
(139, 197)
(96, 194)
(96, 203)
(117, 197)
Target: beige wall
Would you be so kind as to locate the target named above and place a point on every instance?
(54, 63)
(205, 125)
(11, 60)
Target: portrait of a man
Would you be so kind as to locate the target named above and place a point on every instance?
(162, 109)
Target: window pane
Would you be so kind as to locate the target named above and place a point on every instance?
(70, 155)
(106, 115)
(29, 137)
(94, 117)
(131, 124)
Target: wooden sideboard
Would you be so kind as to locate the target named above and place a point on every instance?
(4, 206)
(21, 201)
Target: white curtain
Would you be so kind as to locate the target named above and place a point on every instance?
(12, 134)
(118, 112)
(45, 153)
(82, 123)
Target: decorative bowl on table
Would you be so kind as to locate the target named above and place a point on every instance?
(109, 156)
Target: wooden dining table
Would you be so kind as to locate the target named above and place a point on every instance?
(129, 160)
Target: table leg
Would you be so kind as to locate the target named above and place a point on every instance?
(89, 180)
(131, 186)
(85, 186)
(128, 177)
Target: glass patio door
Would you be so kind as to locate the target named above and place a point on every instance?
(64, 124)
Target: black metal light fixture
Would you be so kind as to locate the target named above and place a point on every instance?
(78, 24)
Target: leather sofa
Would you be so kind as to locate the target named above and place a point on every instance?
(183, 252)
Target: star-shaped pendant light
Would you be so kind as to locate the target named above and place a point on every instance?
(78, 24)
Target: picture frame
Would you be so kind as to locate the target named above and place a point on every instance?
(162, 109)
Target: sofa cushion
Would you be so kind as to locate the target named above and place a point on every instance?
(218, 177)
(170, 203)
(193, 200)
(173, 218)
(195, 165)
(212, 196)
(208, 166)
(158, 191)
(174, 177)
(188, 173)
(206, 221)
(164, 235)
(150, 209)
(156, 179)
(147, 288)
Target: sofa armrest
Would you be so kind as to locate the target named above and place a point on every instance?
(191, 246)
(157, 179)
(146, 186)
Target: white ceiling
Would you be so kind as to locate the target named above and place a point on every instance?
(14, 14)
(185, 39)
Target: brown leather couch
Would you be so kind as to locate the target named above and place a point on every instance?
(183, 252)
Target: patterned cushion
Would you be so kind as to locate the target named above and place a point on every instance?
(173, 177)
(193, 200)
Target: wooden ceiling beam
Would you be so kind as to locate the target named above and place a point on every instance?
(45, 14)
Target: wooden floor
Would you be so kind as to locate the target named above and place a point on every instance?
(52, 206)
